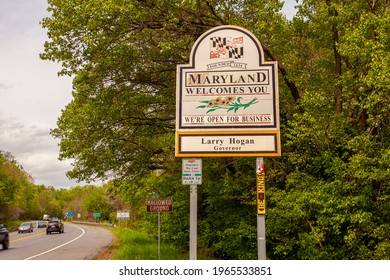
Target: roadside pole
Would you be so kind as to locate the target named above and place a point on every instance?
(261, 237)
(192, 175)
(159, 235)
(193, 221)
(159, 205)
(260, 194)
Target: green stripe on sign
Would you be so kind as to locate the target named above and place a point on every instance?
(198, 174)
(186, 174)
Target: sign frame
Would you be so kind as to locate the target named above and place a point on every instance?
(97, 214)
(213, 77)
(123, 215)
(191, 171)
(158, 205)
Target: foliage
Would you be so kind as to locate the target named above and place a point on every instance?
(97, 201)
(20, 199)
(328, 195)
(135, 245)
(13, 181)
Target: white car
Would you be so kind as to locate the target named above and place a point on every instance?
(26, 227)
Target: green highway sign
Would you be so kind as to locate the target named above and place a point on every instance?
(97, 215)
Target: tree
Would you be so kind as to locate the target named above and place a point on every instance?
(12, 179)
(335, 189)
(96, 201)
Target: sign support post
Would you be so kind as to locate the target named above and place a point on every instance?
(159, 205)
(193, 221)
(192, 175)
(123, 215)
(261, 249)
(260, 197)
(159, 235)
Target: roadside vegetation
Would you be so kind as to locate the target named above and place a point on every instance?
(137, 245)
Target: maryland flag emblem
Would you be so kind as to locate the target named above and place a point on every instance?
(226, 47)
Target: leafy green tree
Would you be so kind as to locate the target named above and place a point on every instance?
(96, 201)
(335, 191)
(227, 218)
(25, 200)
(13, 179)
(75, 203)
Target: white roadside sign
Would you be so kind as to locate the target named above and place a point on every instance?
(123, 215)
(192, 171)
(227, 98)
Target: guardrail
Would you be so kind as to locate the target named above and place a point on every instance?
(95, 224)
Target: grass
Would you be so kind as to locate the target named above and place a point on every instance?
(136, 245)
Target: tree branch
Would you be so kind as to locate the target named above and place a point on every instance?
(291, 85)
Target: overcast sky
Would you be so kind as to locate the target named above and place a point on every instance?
(31, 94)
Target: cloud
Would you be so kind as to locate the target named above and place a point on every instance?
(31, 94)
(36, 150)
(3, 86)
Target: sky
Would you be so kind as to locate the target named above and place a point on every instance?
(32, 95)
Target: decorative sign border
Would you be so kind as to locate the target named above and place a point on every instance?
(228, 94)
(227, 144)
(159, 205)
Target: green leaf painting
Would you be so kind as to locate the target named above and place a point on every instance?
(228, 103)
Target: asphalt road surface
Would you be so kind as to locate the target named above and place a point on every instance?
(78, 242)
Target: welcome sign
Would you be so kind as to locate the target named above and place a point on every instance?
(227, 101)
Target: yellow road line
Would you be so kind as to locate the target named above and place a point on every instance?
(30, 236)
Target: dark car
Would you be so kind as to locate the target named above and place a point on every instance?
(41, 224)
(55, 226)
(26, 227)
(4, 237)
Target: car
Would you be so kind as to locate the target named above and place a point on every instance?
(4, 237)
(26, 227)
(41, 224)
(55, 226)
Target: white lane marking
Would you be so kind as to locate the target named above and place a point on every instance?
(58, 246)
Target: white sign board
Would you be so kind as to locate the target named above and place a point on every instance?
(227, 100)
(122, 214)
(192, 171)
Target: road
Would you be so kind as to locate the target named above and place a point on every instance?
(78, 242)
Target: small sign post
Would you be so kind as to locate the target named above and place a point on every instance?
(192, 175)
(260, 194)
(96, 215)
(193, 221)
(70, 214)
(159, 205)
(123, 215)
